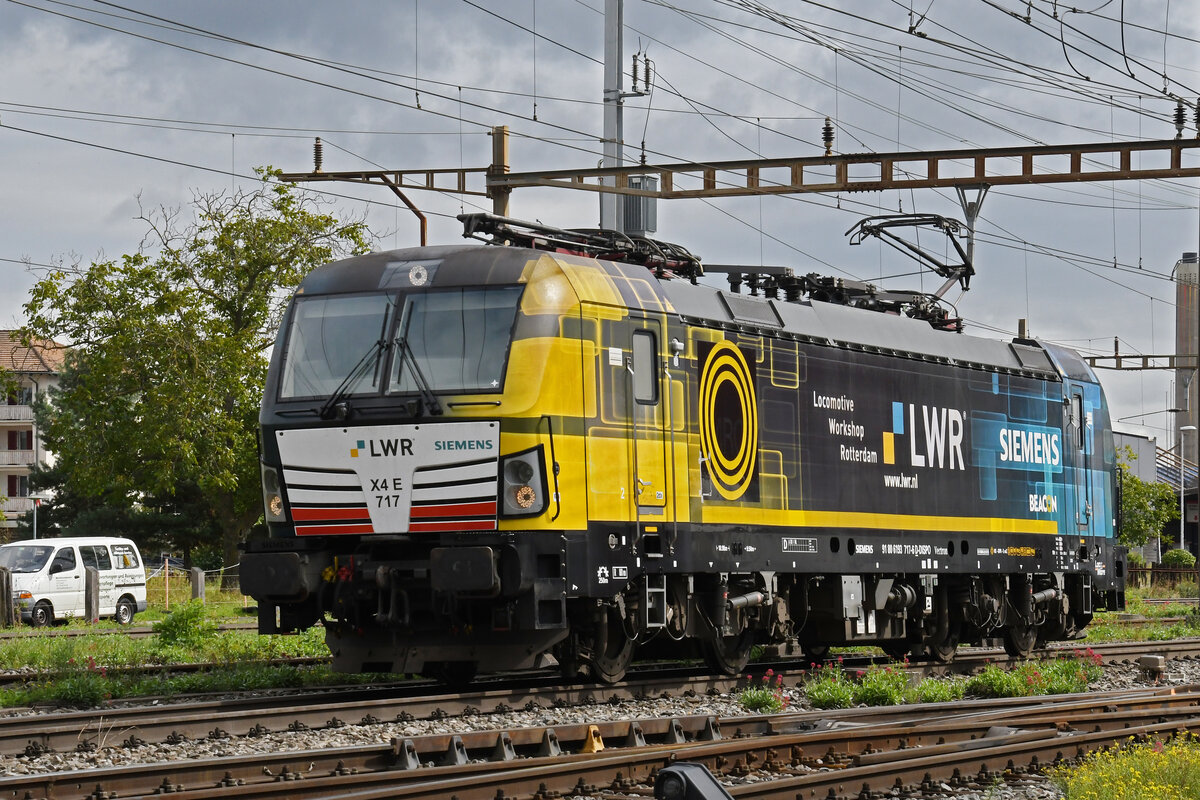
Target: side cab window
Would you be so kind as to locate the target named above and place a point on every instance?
(95, 556)
(64, 561)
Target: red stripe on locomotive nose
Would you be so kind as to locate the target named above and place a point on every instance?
(485, 507)
(310, 530)
(308, 514)
(453, 525)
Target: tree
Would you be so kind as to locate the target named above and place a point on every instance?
(1146, 508)
(170, 349)
(177, 523)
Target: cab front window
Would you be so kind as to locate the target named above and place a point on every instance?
(329, 337)
(458, 339)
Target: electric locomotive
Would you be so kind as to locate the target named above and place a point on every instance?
(567, 447)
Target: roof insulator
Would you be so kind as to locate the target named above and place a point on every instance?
(827, 136)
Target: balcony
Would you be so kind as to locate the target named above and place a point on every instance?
(16, 413)
(19, 458)
(18, 505)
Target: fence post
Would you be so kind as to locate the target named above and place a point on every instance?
(198, 584)
(8, 614)
(91, 594)
(166, 584)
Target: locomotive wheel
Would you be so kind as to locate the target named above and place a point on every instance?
(1020, 639)
(897, 650)
(612, 650)
(943, 651)
(728, 655)
(455, 674)
(815, 652)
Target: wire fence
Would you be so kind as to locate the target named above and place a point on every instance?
(169, 584)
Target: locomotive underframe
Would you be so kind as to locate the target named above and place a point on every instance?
(416, 604)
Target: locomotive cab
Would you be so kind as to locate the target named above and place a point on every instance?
(394, 492)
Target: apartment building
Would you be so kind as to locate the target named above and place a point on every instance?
(36, 369)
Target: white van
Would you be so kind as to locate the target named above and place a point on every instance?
(48, 577)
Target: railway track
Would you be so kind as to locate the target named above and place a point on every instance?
(810, 754)
(159, 720)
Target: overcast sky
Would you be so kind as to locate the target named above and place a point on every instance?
(104, 104)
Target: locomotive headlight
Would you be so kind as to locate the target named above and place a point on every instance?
(523, 484)
(525, 496)
(272, 495)
(516, 471)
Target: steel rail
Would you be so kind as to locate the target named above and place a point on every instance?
(240, 716)
(810, 739)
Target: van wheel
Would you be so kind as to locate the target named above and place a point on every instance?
(125, 611)
(43, 614)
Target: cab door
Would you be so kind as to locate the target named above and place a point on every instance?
(648, 419)
(66, 583)
(1079, 429)
(97, 556)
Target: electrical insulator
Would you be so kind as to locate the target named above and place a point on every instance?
(634, 72)
(646, 73)
(318, 154)
(1197, 117)
(1180, 119)
(827, 136)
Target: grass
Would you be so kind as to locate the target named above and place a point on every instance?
(764, 696)
(1155, 770)
(186, 635)
(164, 595)
(89, 686)
(829, 686)
(83, 671)
(1058, 676)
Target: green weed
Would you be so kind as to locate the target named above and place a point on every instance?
(1065, 675)
(764, 696)
(188, 625)
(881, 686)
(931, 690)
(1154, 770)
(828, 687)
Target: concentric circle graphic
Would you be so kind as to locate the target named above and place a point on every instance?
(728, 419)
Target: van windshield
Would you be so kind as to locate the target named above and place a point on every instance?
(25, 557)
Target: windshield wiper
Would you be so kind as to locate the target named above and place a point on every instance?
(407, 357)
(334, 406)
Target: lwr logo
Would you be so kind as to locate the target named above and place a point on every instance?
(939, 443)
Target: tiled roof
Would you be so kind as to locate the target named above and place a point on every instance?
(43, 356)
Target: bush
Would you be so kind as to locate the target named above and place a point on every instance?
(1068, 675)
(1178, 559)
(186, 626)
(881, 686)
(828, 687)
(1163, 771)
(766, 695)
(1134, 559)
